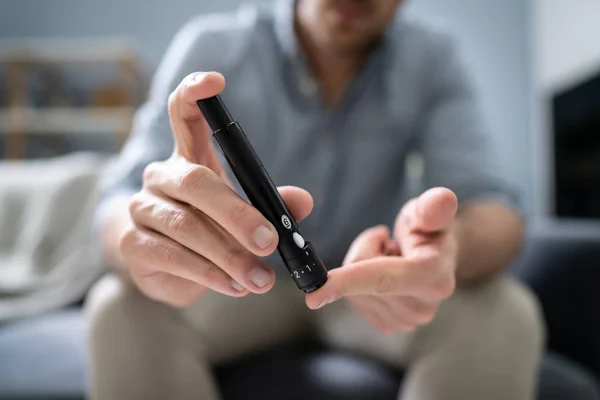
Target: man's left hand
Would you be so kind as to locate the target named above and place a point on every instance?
(397, 283)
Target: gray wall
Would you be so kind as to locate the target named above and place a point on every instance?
(494, 35)
(152, 23)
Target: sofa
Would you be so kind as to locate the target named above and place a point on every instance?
(45, 356)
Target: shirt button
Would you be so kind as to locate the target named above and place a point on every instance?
(308, 86)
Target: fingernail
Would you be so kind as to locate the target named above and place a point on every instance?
(263, 237)
(237, 286)
(325, 301)
(259, 277)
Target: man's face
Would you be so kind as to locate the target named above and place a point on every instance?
(346, 25)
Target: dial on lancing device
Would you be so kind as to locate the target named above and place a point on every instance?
(299, 256)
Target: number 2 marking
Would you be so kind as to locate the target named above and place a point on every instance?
(296, 274)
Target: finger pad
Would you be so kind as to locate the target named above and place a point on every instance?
(210, 85)
(299, 201)
(437, 207)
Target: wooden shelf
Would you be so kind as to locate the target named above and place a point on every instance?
(75, 121)
(67, 50)
(20, 119)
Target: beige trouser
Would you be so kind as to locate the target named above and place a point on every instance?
(484, 344)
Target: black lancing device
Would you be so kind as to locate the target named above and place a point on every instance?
(299, 256)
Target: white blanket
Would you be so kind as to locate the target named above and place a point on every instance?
(47, 257)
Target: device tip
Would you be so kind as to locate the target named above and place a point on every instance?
(215, 112)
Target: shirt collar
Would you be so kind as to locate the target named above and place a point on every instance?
(284, 18)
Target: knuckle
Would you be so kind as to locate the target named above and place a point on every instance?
(235, 258)
(180, 221)
(128, 241)
(238, 211)
(208, 274)
(195, 178)
(136, 204)
(172, 258)
(150, 172)
(385, 283)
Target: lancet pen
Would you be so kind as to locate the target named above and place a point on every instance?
(299, 256)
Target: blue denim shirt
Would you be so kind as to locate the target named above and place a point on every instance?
(412, 96)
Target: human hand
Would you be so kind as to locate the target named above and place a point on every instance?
(191, 231)
(397, 284)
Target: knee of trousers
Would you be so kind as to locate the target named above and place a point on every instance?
(114, 309)
(501, 311)
(519, 310)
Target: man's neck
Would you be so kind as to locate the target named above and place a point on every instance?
(333, 71)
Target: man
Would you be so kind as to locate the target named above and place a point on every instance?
(333, 94)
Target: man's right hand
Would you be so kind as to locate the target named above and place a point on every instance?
(191, 231)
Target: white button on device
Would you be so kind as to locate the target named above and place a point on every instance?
(299, 240)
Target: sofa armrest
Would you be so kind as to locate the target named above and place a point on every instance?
(561, 263)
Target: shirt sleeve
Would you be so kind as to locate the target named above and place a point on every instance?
(151, 139)
(456, 147)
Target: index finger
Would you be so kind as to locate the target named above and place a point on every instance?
(376, 276)
(190, 131)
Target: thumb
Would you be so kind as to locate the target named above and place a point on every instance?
(191, 133)
(431, 212)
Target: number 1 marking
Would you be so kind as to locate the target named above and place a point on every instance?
(308, 268)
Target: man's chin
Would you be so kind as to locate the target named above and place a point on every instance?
(346, 44)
